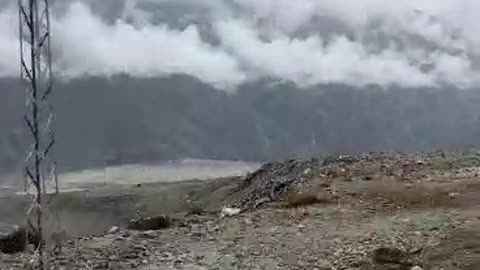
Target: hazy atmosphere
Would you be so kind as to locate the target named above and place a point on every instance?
(251, 80)
(240, 134)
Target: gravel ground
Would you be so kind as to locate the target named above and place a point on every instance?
(382, 212)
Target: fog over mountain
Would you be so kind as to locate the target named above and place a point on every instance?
(251, 79)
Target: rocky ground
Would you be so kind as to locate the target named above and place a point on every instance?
(378, 211)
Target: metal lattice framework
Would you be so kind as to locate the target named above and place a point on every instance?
(41, 180)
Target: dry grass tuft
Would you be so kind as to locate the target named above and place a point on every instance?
(306, 198)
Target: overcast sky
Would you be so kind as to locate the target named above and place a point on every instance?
(408, 43)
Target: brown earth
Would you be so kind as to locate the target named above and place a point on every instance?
(371, 212)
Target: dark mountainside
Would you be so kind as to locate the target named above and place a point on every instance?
(127, 120)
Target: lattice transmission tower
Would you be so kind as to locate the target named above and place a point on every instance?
(41, 182)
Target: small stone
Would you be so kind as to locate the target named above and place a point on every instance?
(114, 230)
(416, 250)
(228, 212)
(323, 265)
(416, 268)
(149, 234)
(454, 195)
(150, 223)
(368, 178)
(101, 265)
(132, 256)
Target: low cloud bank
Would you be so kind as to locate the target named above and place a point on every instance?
(402, 43)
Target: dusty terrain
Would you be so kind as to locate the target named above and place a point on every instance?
(418, 211)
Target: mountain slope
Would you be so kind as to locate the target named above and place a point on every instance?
(127, 120)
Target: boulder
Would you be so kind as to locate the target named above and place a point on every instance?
(13, 239)
(387, 255)
(150, 223)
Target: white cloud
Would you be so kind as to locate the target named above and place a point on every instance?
(9, 45)
(309, 61)
(86, 45)
(312, 60)
(90, 46)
